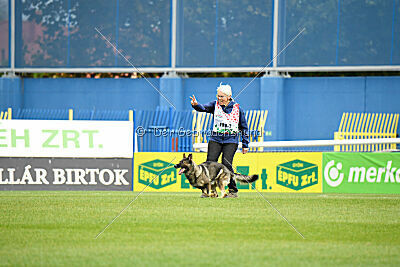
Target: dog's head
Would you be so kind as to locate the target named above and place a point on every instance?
(184, 164)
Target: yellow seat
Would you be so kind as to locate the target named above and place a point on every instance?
(366, 126)
(6, 115)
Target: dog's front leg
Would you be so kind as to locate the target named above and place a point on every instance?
(214, 192)
(205, 193)
(222, 185)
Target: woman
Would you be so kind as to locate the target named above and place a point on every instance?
(229, 120)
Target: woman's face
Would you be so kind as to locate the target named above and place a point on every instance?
(223, 99)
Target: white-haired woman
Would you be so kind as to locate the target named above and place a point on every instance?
(229, 121)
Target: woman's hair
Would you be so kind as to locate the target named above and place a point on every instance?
(225, 88)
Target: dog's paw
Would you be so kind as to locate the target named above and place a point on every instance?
(214, 194)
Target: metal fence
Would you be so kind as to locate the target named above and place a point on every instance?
(199, 36)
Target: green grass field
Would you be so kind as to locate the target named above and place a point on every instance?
(180, 229)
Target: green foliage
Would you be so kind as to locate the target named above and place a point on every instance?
(225, 34)
(143, 30)
(205, 75)
(361, 36)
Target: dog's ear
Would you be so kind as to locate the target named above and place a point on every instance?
(184, 155)
(190, 156)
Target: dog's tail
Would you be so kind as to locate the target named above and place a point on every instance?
(245, 178)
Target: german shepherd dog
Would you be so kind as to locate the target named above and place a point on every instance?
(208, 175)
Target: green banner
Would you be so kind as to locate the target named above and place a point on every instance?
(361, 173)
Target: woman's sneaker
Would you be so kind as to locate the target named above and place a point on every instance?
(231, 195)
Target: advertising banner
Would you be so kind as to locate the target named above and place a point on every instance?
(64, 138)
(361, 173)
(65, 174)
(278, 172)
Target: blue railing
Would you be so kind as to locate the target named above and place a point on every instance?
(163, 130)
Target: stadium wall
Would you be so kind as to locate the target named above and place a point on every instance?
(299, 108)
(10, 93)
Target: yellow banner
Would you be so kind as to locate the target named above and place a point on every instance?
(298, 172)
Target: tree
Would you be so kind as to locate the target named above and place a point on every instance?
(69, 38)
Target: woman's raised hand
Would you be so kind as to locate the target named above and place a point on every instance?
(194, 101)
